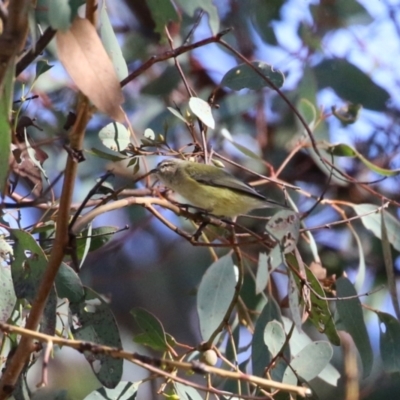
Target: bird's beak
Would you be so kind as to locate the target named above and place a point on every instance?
(153, 171)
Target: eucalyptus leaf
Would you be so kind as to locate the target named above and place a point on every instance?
(351, 84)
(123, 391)
(351, 316)
(309, 362)
(262, 276)
(96, 323)
(202, 110)
(190, 7)
(215, 294)
(344, 150)
(389, 342)
(319, 313)
(370, 217)
(111, 44)
(244, 77)
(163, 12)
(153, 334)
(274, 337)
(115, 136)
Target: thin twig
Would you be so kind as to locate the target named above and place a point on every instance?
(40, 45)
(171, 54)
(155, 365)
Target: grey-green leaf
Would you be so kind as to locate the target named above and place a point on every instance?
(123, 391)
(309, 362)
(274, 337)
(351, 84)
(262, 276)
(68, 284)
(111, 44)
(7, 294)
(372, 221)
(245, 77)
(187, 392)
(153, 332)
(215, 294)
(97, 324)
(389, 342)
(115, 136)
(351, 316)
(260, 355)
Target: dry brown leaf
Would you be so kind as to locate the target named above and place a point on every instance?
(83, 56)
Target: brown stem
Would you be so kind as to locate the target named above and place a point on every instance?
(171, 54)
(43, 41)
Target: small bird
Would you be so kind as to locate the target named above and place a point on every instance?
(210, 188)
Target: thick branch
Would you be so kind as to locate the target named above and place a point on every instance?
(14, 35)
(23, 351)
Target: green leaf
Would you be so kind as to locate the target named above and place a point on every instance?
(6, 98)
(320, 314)
(274, 337)
(215, 294)
(163, 84)
(32, 155)
(308, 112)
(123, 391)
(202, 110)
(247, 152)
(111, 44)
(244, 77)
(309, 362)
(389, 266)
(341, 13)
(42, 66)
(348, 114)
(187, 392)
(359, 282)
(115, 136)
(260, 356)
(162, 11)
(68, 284)
(262, 276)
(59, 14)
(351, 84)
(294, 300)
(27, 269)
(373, 221)
(344, 150)
(104, 155)
(177, 114)
(99, 237)
(262, 14)
(298, 341)
(153, 332)
(96, 323)
(389, 342)
(275, 258)
(190, 6)
(7, 294)
(351, 316)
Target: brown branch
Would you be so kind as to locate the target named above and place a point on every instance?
(42, 42)
(156, 365)
(172, 54)
(76, 136)
(22, 353)
(14, 35)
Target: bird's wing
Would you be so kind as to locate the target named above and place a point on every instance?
(222, 178)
